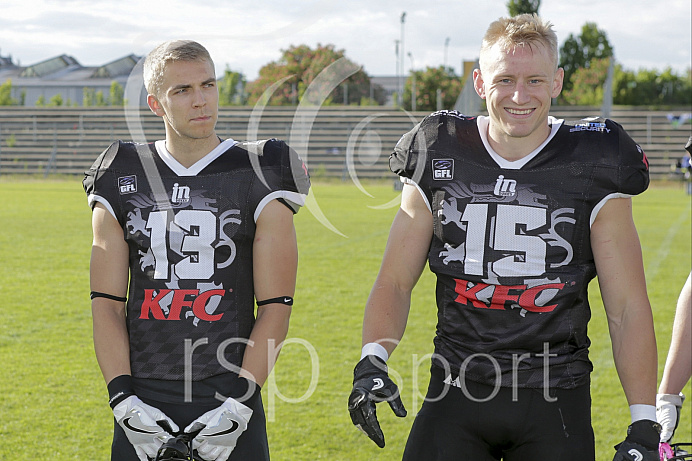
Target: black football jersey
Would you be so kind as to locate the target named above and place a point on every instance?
(511, 242)
(190, 232)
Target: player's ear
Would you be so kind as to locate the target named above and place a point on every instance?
(478, 83)
(557, 82)
(155, 105)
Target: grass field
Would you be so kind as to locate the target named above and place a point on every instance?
(52, 397)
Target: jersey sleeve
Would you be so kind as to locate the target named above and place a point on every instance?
(404, 159)
(633, 174)
(100, 183)
(437, 133)
(283, 175)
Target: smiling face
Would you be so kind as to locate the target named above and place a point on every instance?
(188, 101)
(518, 85)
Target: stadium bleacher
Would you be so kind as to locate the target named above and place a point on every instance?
(334, 141)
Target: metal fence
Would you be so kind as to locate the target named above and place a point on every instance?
(334, 141)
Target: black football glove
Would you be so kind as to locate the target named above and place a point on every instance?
(371, 385)
(641, 443)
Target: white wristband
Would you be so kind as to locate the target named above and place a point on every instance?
(639, 412)
(374, 349)
(671, 399)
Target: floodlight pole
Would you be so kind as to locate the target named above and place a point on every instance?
(401, 62)
(414, 89)
(446, 48)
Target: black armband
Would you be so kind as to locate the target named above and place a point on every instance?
(97, 294)
(119, 388)
(287, 300)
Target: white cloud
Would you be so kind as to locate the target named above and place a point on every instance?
(246, 34)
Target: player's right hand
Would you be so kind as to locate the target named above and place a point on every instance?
(668, 408)
(371, 385)
(220, 429)
(141, 425)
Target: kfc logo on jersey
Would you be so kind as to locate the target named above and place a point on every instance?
(127, 184)
(531, 298)
(167, 304)
(443, 169)
(181, 194)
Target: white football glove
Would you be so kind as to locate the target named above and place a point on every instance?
(139, 421)
(223, 426)
(668, 408)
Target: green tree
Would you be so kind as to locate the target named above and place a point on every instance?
(41, 101)
(88, 96)
(517, 7)
(100, 99)
(300, 65)
(232, 88)
(578, 51)
(587, 84)
(428, 81)
(56, 101)
(117, 94)
(673, 89)
(6, 98)
(651, 88)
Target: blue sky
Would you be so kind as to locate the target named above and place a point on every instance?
(246, 34)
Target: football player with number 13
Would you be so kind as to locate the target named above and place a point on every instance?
(188, 232)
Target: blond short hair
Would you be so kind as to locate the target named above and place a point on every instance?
(521, 30)
(173, 50)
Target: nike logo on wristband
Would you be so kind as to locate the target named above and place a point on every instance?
(126, 423)
(230, 430)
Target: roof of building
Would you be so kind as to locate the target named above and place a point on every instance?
(50, 66)
(65, 69)
(117, 68)
(6, 62)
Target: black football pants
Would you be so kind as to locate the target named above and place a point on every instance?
(523, 427)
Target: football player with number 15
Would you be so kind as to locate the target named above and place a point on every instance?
(515, 213)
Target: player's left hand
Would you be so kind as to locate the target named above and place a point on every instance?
(641, 443)
(222, 427)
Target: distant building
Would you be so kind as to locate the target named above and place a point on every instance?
(65, 76)
(469, 102)
(5, 61)
(390, 85)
